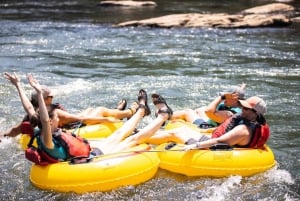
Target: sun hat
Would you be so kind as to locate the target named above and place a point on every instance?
(46, 91)
(255, 103)
(235, 89)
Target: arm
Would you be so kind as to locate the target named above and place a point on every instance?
(239, 135)
(13, 78)
(46, 132)
(219, 116)
(12, 132)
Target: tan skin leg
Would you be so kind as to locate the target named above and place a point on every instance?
(111, 143)
(145, 133)
(106, 112)
(189, 115)
(117, 143)
(177, 135)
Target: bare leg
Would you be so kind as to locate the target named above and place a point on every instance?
(144, 133)
(85, 112)
(177, 135)
(106, 112)
(164, 113)
(127, 128)
(118, 114)
(201, 112)
(112, 143)
(189, 115)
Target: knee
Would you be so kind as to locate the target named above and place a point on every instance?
(175, 133)
(88, 110)
(100, 110)
(188, 111)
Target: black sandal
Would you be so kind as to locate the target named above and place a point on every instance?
(134, 107)
(168, 111)
(158, 99)
(122, 104)
(143, 96)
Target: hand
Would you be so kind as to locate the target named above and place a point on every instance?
(34, 83)
(232, 96)
(13, 78)
(243, 85)
(189, 147)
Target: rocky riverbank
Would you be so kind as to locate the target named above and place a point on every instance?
(271, 15)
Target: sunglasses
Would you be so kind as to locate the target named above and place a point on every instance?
(49, 96)
(245, 108)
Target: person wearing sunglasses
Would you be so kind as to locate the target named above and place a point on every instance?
(89, 116)
(119, 140)
(220, 109)
(248, 129)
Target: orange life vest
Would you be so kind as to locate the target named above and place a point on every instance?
(260, 132)
(74, 146)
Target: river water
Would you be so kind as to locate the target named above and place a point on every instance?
(73, 47)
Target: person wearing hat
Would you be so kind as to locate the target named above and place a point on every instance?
(89, 116)
(47, 94)
(119, 140)
(29, 106)
(248, 129)
(225, 105)
(221, 108)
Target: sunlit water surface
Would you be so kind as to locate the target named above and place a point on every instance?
(89, 63)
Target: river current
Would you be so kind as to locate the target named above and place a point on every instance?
(72, 47)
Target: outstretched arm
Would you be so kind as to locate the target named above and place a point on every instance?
(13, 131)
(46, 132)
(15, 80)
(239, 135)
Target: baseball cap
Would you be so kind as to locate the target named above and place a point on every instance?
(45, 91)
(235, 89)
(255, 103)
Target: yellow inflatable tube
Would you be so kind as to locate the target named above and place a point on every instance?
(97, 130)
(219, 163)
(178, 124)
(89, 132)
(103, 173)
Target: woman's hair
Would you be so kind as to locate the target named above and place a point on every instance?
(45, 92)
(261, 119)
(35, 120)
(34, 103)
